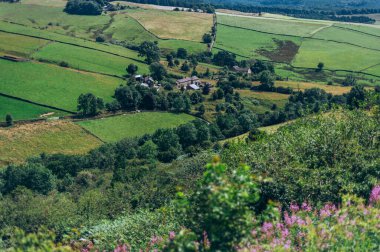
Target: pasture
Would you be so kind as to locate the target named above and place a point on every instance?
(52, 85)
(87, 59)
(262, 102)
(174, 24)
(23, 141)
(288, 27)
(373, 70)
(19, 45)
(112, 129)
(22, 110)
(349, 36)
(53, 19)
(55, 37)
(369, 29)
(256, 44)
(335, 56)
(52, 3)
(302, 86)
(127, 29)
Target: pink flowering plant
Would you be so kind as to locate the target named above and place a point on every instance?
(354, 226)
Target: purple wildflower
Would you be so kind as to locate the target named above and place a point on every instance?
(171, 235)
(294, 207)
(306, 207)
(267, 227)
(375, 194)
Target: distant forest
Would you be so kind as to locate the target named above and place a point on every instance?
(294, 8)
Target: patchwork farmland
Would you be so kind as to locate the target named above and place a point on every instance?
(66, 55)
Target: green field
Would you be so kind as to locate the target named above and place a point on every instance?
(125, 28)
(87, 59)
(373, 70)
(19, 45)
(23, 141)
(53, 19)
(288, 27)
(374, 30)
(115, 128)
(30, 31)
(348, 36)
(52, 85)
(335, 56)
(248, 43)
(22, 110)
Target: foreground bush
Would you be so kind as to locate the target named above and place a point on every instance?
(355, 226)
(315, 159)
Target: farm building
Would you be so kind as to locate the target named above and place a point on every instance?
(238, 69)
(148, 81)
(193, 87)
(184, 83)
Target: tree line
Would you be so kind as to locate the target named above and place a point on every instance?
(341, 14)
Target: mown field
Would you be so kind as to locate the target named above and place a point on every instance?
(174, 24)
(288, 27)
(22, 141)
(115, 128)
(52, 85)
(297, 85)
(22, 110)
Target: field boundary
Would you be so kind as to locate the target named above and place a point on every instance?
(353, 30)
(301, 37)
(304, 68)
(73, 44)
(90, 133)
(160, 38)
(36, 103)
(55, 63)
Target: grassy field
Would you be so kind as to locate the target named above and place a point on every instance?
(335, 56)
(349, 36)
(374, 30)
(335, 90)
(115, 128)
(263, 95)
(20, 142)
(52, 3)
(52, 85)
(87, 59)
(373, 70)
(262, 102)
(30, 31)
(19, 45)
(22, 110)
(125, 28)
(174, 24)
(290, 27)
(53, 19)
(251, 43)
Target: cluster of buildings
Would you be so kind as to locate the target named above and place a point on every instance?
(192, 83)
(188, 83)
